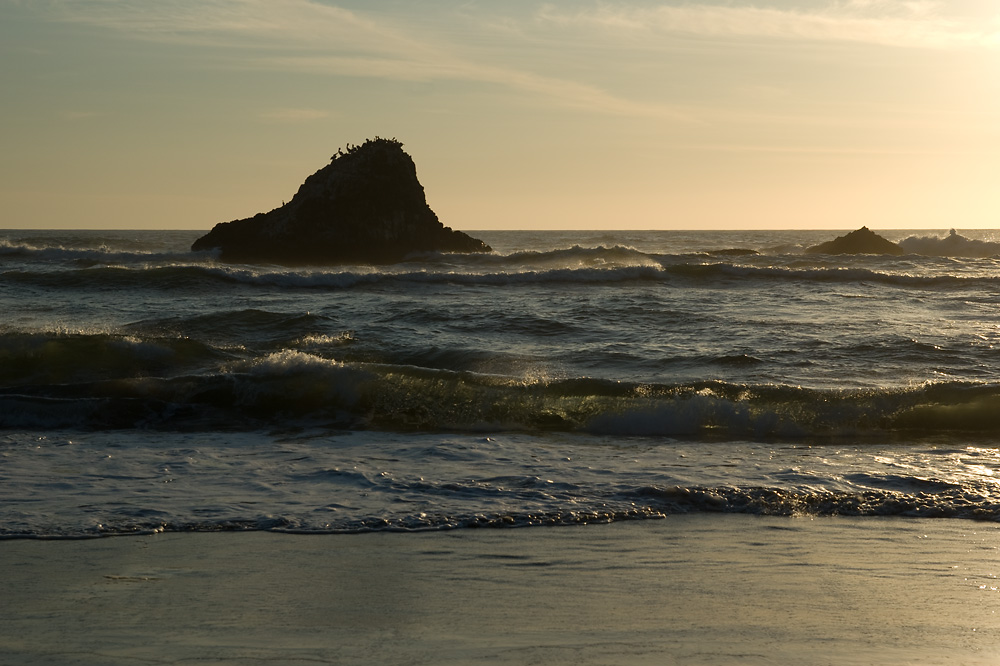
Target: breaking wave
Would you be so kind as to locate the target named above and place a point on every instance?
(87, 257)
(572, 506)
(115, 381)
(952, 245)
(209, 276)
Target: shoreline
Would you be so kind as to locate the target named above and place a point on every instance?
(688, 589)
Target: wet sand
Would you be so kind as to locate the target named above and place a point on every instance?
(696, 589)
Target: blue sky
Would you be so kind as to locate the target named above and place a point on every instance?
(688, 115)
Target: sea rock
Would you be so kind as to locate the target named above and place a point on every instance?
(366, 206)
(862, 241)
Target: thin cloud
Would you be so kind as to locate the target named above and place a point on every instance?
(304, 35)
(267, 23)
(80, 115)
(818, 149)
(290, 115)
(565, 92)
(879, 22)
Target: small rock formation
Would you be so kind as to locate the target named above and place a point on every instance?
(366, 206)
(862, 241)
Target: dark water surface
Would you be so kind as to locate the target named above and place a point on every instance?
(570, 377)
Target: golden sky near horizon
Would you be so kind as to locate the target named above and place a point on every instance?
(581, 114)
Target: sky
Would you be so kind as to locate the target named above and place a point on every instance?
(584, 114)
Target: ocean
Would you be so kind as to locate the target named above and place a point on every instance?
(568, 378)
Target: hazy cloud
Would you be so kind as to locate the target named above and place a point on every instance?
(916, 24)
(226, 22)
(481, 44)
(80, 115)
(294, 115)
(305, 35)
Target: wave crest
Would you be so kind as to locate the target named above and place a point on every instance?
(115, 381)
(952, 245)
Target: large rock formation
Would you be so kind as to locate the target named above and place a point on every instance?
(862, 241)
(366, 206)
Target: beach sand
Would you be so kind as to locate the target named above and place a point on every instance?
(690, 589)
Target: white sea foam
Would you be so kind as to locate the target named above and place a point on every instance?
(952, 245)
(291, 361)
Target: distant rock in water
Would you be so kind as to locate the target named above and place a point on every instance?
(366, 206)
(862, 241)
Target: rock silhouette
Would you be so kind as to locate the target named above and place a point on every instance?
(366, 206)
(862, 241)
